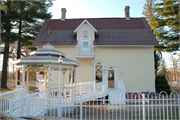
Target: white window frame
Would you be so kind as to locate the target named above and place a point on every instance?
(88, 40)
(98, 63)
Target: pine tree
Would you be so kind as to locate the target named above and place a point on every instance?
(7, 36)
(161, 84)
(26, 17)
(149, 13)
(30, 16)
(166, 25)
(162, 68)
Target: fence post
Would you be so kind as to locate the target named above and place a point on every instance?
(27, 105)
(90, 89)
(144, 109)
(11, 106)
(22, 105)
(81, 107)
(80, 88)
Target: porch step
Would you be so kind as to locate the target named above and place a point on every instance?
(117, 97)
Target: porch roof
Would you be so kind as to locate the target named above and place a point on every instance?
(46, 55)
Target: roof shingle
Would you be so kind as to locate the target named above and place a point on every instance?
(111, 31)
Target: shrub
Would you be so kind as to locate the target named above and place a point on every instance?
(162, 84)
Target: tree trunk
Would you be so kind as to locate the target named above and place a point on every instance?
(5, 65)
(155, 71)
(19, 49)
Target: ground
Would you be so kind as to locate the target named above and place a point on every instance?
(3, 90)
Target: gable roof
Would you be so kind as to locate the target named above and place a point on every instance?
(111, 31)
(85, 21)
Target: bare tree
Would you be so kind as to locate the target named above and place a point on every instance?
(174, 61)
(148, 10)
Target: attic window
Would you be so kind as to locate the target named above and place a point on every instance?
(85, 32)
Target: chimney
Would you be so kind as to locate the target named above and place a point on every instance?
(127, 12)
(63, 10)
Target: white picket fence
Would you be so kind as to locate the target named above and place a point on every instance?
(89, 101)
(138, 107)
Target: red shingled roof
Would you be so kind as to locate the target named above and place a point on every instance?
(111, 31)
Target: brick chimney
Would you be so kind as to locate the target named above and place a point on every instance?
(127, 12)
(63, 17)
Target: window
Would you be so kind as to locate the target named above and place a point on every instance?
(85, 43)
(98, 72)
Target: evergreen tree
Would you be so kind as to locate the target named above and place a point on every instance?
(7, 37)
(166, 25)
(162, 68)
(161, 84)
(26, 17)
(149, 13)
(157, 61)
(30, 16)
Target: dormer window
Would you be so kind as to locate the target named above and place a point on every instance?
(85, 43)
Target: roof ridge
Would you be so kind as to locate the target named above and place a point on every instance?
(98, 18)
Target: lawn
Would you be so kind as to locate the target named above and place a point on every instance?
(3, 90)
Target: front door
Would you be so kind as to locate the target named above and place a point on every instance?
(111, 79)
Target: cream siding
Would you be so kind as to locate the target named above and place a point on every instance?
(136, 63)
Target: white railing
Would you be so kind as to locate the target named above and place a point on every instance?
(6, 97)
(121, 86)
(81, 88)
(86, 51)
(80, 83)
(18, 87)
(55, 85)
(41, 87)
(23, 107)
(138, 107)
(66, 92)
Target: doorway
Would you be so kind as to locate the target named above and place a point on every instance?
(111, 80)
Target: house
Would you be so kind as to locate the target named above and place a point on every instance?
(107, 50)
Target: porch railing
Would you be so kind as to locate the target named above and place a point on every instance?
(121, 86)
(41, 87)
(72, 92)
(85, 51)
(6, 97)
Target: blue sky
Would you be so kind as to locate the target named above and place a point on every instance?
(96, 8)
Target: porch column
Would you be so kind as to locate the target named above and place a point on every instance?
(37, 74)
(59, 96)
(75, 82)
(49, 81)
(45, 79)
(27, 82)
(75, 77)
(23, 78)
(37, 77)
(16, 77)
(71, 81)
(64, 71)
(60, 68)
